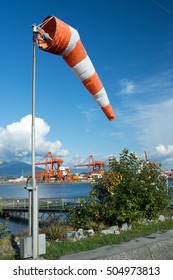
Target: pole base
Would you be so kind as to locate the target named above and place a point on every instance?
(26, 246)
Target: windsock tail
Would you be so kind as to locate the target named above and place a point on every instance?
(59, 38)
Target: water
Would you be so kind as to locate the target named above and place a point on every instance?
(44, 191)
(63, 190)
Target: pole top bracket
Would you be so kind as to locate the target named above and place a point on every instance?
(35, 28)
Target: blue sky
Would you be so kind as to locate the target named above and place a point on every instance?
(130, 43)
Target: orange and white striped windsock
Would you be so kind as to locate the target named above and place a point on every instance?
(59, 38)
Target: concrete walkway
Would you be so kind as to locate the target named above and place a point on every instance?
(156, 246)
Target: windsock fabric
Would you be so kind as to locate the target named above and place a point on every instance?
(64, 40)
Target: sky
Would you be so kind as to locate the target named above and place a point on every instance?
(130, 43)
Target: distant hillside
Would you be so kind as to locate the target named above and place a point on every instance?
(19, 168)
(16, 168)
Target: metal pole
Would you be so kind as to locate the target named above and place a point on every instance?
(30, 189)
(30, 214)
(34, 191)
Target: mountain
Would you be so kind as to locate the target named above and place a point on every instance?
(16, 168)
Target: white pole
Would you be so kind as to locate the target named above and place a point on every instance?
(30, 213)
(35, 190)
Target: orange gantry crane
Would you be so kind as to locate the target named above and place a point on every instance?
(151, 163)
(52, 169)
(94, 166)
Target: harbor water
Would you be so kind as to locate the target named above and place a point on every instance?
(62, 190)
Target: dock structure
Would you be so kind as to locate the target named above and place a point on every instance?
(50, 209)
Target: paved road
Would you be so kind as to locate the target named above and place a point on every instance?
(156, 246)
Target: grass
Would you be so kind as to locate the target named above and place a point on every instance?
(6, 250)
(55, 249)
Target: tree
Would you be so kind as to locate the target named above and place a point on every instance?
(132, 191)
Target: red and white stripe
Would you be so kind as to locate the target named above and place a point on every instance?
(65, 41)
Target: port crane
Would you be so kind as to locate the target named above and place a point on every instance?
(151, 163)
(50, 162)
(94, 166)
(52, 168)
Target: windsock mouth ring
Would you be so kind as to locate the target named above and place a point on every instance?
(48, 26)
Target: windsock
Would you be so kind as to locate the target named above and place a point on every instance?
(57, 37)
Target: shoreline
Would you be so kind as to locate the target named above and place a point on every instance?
(48, 183)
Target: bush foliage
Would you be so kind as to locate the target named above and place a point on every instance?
(3, 229)
(132, 191)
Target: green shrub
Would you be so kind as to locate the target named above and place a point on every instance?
(132, 191)
(4, 228)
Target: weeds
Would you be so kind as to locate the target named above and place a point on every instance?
(56, 231)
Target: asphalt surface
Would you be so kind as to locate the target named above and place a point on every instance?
(156, 246)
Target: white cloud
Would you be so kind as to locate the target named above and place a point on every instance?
(164, 151)
(157, 85)
(155, 123)
(148, 115)
(127, 87)
(165, 155)
(15, 140)
(90, 114)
